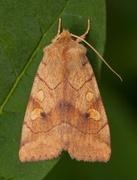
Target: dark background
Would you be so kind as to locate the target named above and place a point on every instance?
(120, 100)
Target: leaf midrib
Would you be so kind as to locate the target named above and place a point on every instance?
(29, 61)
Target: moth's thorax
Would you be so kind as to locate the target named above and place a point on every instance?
(67, 46)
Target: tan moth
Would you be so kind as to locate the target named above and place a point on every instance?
(65, 111)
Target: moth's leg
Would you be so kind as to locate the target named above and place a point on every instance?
(84, 35)
(59, 30)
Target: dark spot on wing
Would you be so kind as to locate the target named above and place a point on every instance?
(43, 114)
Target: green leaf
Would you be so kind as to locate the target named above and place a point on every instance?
(26, 28)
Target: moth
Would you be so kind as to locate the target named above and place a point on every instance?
(65, 111)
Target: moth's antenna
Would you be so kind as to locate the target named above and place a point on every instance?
(81, 38)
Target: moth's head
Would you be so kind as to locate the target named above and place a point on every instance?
(65, 35)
